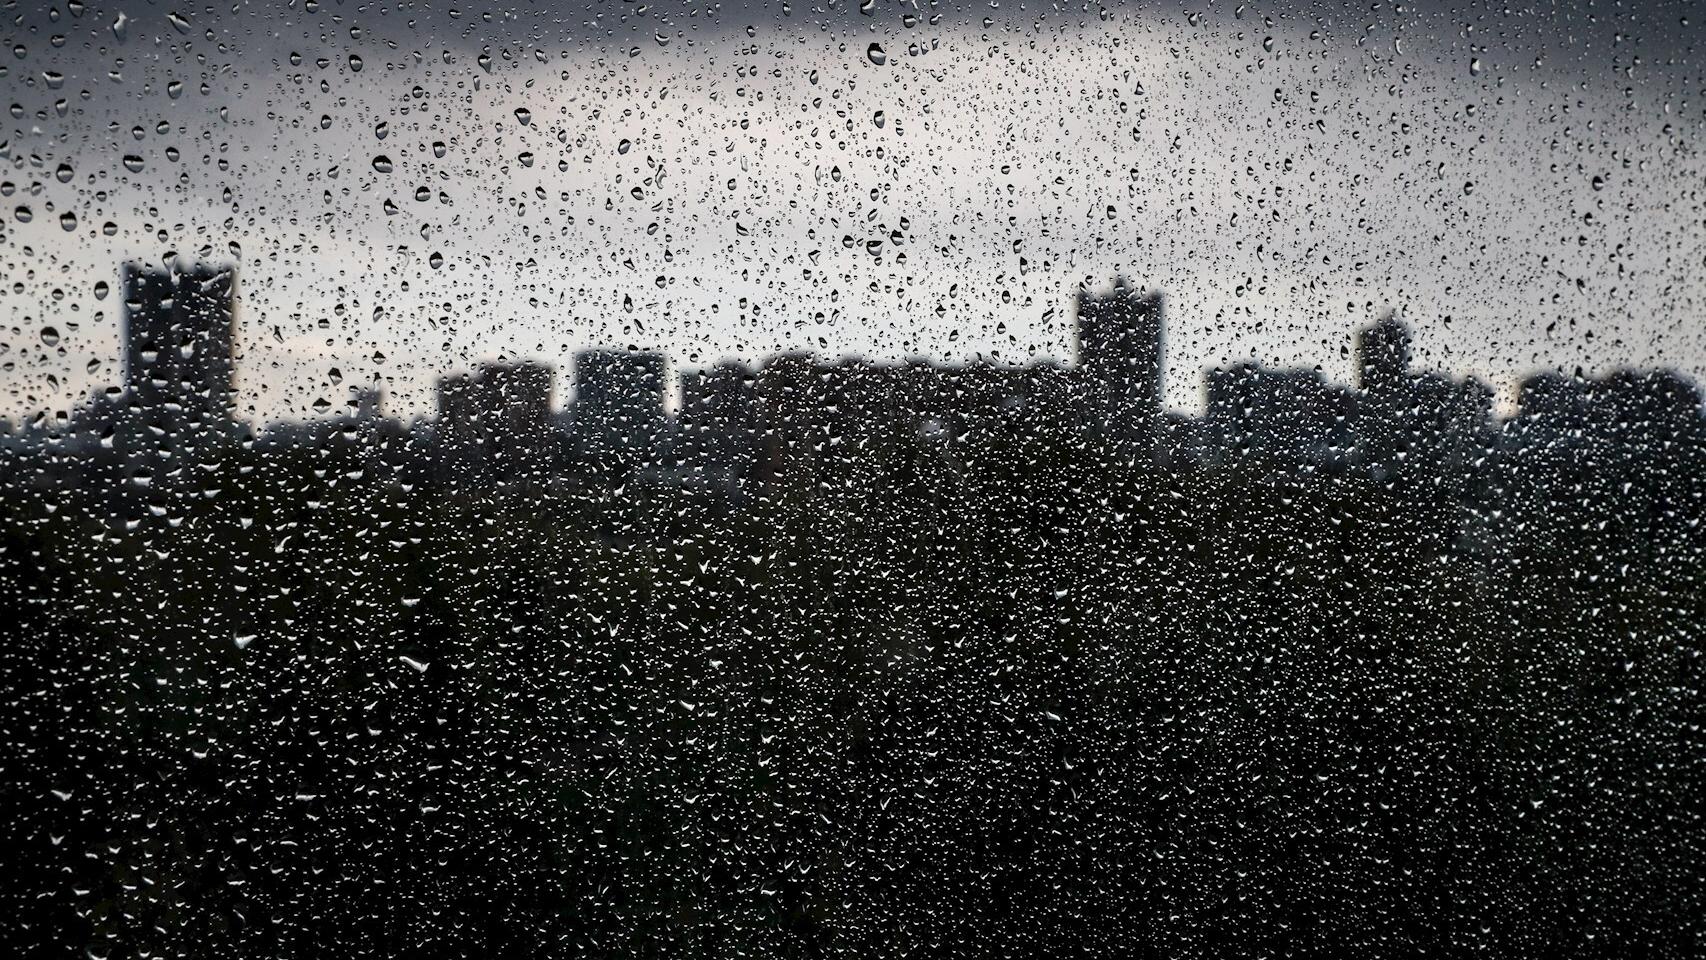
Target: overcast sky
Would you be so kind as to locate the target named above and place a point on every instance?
(1525, 187)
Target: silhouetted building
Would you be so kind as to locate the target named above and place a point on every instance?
(1382, 355)
(179, 328)
(717, 425)
(514, 397)
(1639, 411)
(1414, 423)
(458, 419)
(518, 436)
(495, 425)
(1291, 415)
(618, 413)
(1440, 423)
(1120, 360)
(793, 420)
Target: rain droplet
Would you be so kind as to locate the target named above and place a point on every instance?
(68, 221)
(354, 63)
(523, 116)
(876, 54)
(382, 163)
(133, 163)
(49, 337)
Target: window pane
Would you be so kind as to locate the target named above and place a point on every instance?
(852, 479)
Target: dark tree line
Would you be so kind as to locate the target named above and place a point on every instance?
(1022, 702)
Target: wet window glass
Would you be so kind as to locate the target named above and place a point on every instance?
(871, 478)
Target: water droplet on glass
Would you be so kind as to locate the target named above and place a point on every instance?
(876, 54)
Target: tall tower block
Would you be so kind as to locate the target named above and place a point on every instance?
(1120, 356)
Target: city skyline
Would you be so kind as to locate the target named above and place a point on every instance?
(1502, 400)
(180, 369)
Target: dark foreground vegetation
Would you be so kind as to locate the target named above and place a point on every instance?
(1014, 703)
